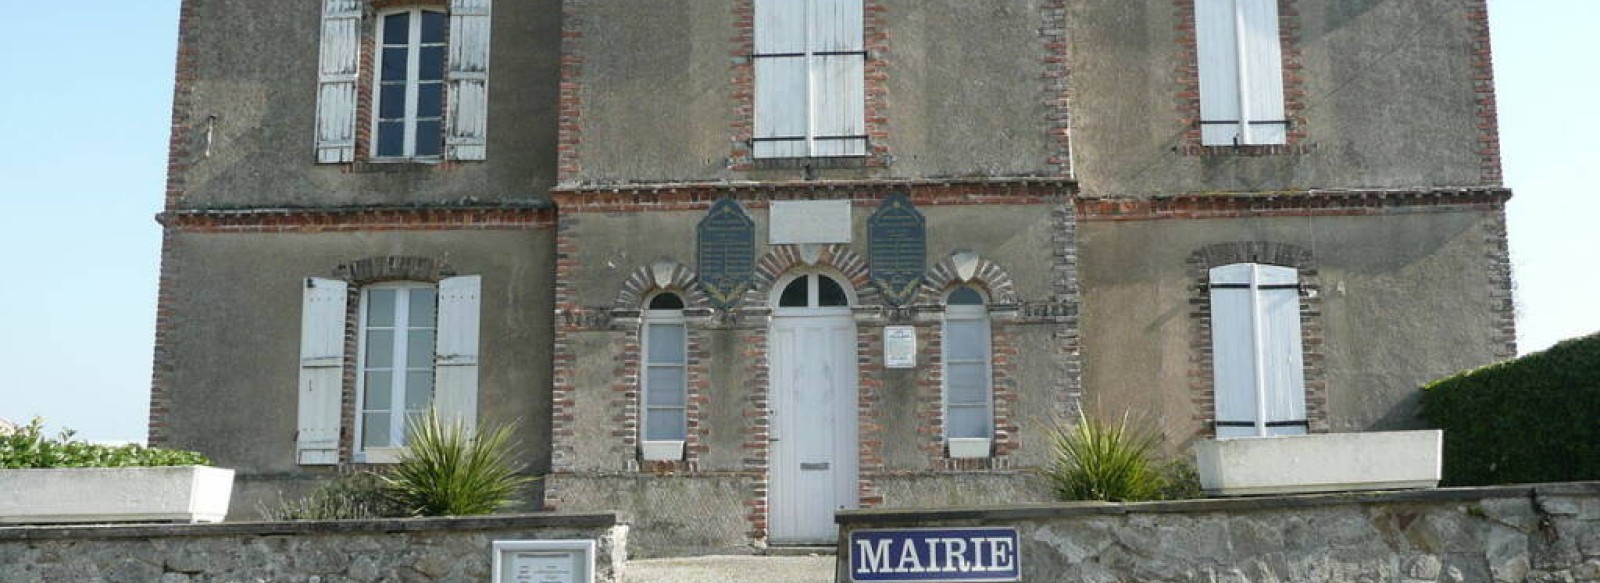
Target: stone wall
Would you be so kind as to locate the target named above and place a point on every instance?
(424, 549)
(1546, 533)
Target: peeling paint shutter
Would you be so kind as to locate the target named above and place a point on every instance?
(1233, 354)
(336, 81)
(468, 79)
(322, 331)
(456, 360)
(838, 78)
(1283, 368)
(782, 82)
(1262, 55)
(1218, 53)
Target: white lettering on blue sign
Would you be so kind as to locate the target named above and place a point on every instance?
(975, 555)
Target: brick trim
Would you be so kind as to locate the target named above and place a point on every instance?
(569, 127)
(180, 155)
(1187, 77)
(1054, 95)
(965, 267)
(1501, 286)
(347, 219)
(661, 276)
(1301, 203)
(369, 270)
(1202, 385)
(700, 196)
(875, 38)
(1483, 86)
(166, 321)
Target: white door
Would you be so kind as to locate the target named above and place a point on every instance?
(813, 431)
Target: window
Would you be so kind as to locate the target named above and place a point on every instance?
(409, 94)
(1257, 362)
(396, 371)
(665, 390)
(1241, 73)
(417, 347)
(430, 84)
(968, 414)
(809, 79)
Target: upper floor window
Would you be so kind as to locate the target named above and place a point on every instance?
(1241, 73)
(409, 96)
(1257, 362)
(968, 398)
(430, 83)
(810, 98)
(665, 379)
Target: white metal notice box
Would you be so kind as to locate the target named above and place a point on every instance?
(798, 222)
(544, 561)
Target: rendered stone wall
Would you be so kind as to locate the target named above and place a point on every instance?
(456, 550)
(1546, 533)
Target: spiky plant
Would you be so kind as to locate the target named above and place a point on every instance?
(1100, 460)
(446, 472)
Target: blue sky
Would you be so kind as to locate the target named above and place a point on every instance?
(85, 114)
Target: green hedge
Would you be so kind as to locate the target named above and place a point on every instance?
(1533, 419)
(29, 447)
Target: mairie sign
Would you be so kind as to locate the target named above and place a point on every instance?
(935, 554)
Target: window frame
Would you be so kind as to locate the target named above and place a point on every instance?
(397, 441)
(1262, 277)
(967, 446)
(814, 65)
(413, 85)
(662, 449)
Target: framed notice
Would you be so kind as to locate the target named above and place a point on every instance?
(899, 347)
(544, 561)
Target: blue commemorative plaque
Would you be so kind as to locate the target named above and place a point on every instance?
(971, 555)
(726, 253)
(897, 248)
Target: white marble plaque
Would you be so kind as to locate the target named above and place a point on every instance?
(798, 222)
(563, 561)
(900, 347)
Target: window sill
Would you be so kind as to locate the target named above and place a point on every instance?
(816, 163)
(968, 447)
(380, 455)
(661, 451)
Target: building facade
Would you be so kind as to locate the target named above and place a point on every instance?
(730, 265)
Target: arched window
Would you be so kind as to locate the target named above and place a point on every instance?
(664, 390)
(968, 376)
(814, 290)
(1257, 363)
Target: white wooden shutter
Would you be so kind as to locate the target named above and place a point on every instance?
(1263, 64)
(838, 78)
(1233, 354)
(455, 388)
(336, 81)
(1216, 46)
(782, 82)
(1282, 361)
(322, 331)
(468, 80)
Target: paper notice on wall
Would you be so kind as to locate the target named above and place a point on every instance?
(542, 568)
(900, 347)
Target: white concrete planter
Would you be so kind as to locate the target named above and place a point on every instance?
(1332, 462)
(163, 494)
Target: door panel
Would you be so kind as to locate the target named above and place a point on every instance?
(814, 426)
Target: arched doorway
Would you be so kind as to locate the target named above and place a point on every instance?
(813, 401)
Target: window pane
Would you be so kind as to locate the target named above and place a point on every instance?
(664, 424)
(829, 293)
(419, 390)
(394, 64)
(664, 386)
(397, 29)
(965, 296)
(421, 307)
(375, 430)
(666, 302)
(966, 384)
(380, 308)
(380, 349)
(429, 141)
(967, 422)
(419, 349)
(433, 26)
(430, 100)
(392, 101)
(413, 419)
(666, 343)
(378, 388)
(391, 138)
(966, 339)
(431, 64)
(794, 296)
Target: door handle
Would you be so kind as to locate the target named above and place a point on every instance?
(815, 466)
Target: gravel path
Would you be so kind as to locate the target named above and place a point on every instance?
(731, 569)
